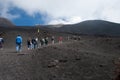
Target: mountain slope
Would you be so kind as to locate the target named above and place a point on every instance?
(93, 27)
(5, 22)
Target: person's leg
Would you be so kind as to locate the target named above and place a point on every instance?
(41, 43)
(46, 42)
(17, 47)
(0, 46)
(53, 42)
(35, 46)
(32, 46)
(28, 46)
(20, 48)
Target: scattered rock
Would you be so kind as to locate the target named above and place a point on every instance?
(118, 46)
(63, 60)
(50, 66)
(78, 59)
(100, 65)
(53, 64)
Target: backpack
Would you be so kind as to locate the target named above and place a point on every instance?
(34, 41)
(18, 40)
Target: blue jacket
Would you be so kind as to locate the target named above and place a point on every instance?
(18, 39)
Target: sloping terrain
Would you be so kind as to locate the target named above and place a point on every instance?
(92, 27)
(5, 22)
(87, 59)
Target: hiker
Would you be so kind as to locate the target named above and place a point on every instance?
(53, 39)
(46, 41)
(117, 69)
(34, 43)
(29, 44)
(37, 43)
(60, 39)
(1, 43)
(42, 41)
(18, 43)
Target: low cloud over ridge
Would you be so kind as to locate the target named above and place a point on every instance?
(64, 11)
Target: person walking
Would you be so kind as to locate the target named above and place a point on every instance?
(53, 39)
(41, 41)
(29, 44)
(60, 39)
(34, 43)
(46, 40)
(1, 43)
(37, 42)
(18, 43)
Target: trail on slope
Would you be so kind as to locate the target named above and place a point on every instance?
(75, 60)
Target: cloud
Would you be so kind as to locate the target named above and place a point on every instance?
(5, 6)
(72, 20)
(65, 11)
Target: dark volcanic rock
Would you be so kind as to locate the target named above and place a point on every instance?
(87, 59)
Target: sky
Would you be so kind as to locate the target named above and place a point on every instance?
(47, 12)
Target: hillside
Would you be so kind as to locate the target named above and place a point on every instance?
(87, 59)
(92, 27)
(5, 22)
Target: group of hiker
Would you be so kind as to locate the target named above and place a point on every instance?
(34, 43)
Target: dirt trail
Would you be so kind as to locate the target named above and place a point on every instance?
(74, 60)
(17, 66)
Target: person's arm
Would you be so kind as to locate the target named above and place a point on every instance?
(21, 39)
